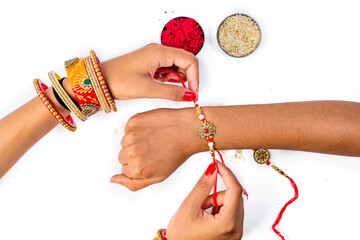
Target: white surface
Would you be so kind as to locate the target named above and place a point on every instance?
(309, 50)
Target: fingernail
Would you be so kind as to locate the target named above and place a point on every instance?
(189, 96)
(163, 74)
(156, 77)
(211, 169)
(171, 80)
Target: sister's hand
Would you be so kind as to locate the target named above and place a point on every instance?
(132, 75)
(192, 222)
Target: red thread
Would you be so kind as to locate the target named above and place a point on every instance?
(185, 33)
(209, 140)
(278, 219)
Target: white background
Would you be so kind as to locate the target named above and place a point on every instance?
(59, 189)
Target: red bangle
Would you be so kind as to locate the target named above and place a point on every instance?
(67, 122)
(82, 87)
(163, 234)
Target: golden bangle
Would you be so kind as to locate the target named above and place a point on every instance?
(96, 85)
(95, 62)
(67, 122)
(54, 78)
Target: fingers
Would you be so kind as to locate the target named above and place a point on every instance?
(229, 178)
(232, 201)
(200, 192)
(171, 92)
(164, 76)
(183, 60)
(133, 184)
(208, 202)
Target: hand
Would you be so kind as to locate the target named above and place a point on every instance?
(132, 75)
(192, 222)
(155, 144)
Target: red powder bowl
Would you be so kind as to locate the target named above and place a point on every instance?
(185, 33)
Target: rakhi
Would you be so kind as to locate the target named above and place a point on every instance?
(262, 156)
(206, 131)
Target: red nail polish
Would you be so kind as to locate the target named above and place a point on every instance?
(211, 169)
(156, 77)
(172, 80)
(189, 96)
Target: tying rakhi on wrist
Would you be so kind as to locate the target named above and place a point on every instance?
(261, 156)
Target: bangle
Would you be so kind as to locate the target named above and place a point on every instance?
(96, 65)
(81, 86)
(58, 98)
(96, 85)
(54, 78)
(67, 122)
(161, 235)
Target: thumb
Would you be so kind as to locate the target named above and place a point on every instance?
(202, 189)
(171, 92)
(131, 183)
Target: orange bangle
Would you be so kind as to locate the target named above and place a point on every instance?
(67, 122)
(81, 86)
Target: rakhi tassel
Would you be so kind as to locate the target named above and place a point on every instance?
(278, 219)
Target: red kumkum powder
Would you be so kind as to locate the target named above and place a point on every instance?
(185, 33)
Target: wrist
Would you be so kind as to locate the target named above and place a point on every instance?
(50, 94)
(193, 142)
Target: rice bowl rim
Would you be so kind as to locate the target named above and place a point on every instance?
(222, 22)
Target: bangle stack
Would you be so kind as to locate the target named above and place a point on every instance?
(161, 235)
(89, 86)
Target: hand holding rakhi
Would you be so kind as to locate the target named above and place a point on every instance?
(192, 222)
(132, 75)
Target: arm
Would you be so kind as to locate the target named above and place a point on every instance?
(321, 126)
(150, 154)
(24, 127)
(129, 76)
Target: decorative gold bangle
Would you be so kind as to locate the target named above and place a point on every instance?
(96, 64)
(54, 78)
(96, 85)
(67, 122)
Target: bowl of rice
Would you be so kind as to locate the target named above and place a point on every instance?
(238, 35)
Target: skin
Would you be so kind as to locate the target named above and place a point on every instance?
(126, 78)
(192, 222)
(319, 126)
(327, 127)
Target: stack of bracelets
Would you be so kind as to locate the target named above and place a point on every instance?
(89, 86)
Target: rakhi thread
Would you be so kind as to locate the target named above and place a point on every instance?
(206, 130)
(262, 156)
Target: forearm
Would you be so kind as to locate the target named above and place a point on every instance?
(320, 126)
(24, 127)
